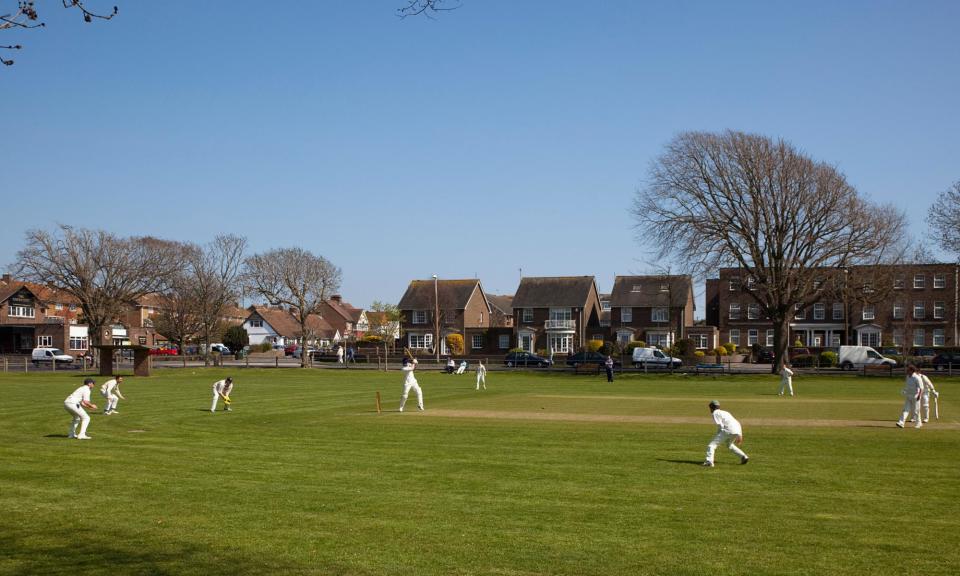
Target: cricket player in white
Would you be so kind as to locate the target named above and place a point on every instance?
(928, 389)
(75, 404)
(481, 375)
(786, 379)
(410, 383)
(729, 433)
(222, 389)
(111, 391)
(912, 390)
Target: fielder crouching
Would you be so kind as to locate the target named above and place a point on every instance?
(729, 432)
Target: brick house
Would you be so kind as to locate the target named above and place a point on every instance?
(278, 326)
(557, 313)
(904, 305)
(463, 309)
(346, 319)
(33, 315)
(654, 309)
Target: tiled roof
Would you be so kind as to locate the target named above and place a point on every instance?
(451, 294)
(546, 291)
(502, 303)
(650, 291)
(284, 323)
(43, 293)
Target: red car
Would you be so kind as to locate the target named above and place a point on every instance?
(164, 351)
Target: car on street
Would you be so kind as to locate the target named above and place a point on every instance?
(525, 359)
(653, 357)
(51, 355)
(585, 358)
(947, 360)
(765, 356)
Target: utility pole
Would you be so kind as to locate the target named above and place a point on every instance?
(436, 318)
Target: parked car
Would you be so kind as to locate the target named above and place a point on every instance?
(589, 358)
(653, 357)
(922, 356)
(525, 359)
(947, 359)
(221, 348)
(289, 349)
(51, 355)
(164, 351)
(298, 351)
(765, 356)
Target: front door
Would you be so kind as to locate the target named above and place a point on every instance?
(526, 342)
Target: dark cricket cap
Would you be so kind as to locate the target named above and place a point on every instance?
(714, 403)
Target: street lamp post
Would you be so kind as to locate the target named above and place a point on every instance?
(436, 318)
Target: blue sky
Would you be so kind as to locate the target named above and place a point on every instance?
(500, 136)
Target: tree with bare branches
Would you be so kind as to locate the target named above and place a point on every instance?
(25, 17)
(742, 200)
(426, 7)
(102, 271)
(296, 278)
(944, 219)
(178, 318)
(214, 280)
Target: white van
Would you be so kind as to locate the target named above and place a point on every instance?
(50, 355)
(852, 357)
(654, 357)
(221, 348)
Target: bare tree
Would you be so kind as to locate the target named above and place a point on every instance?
(25, 17)
(426, 7)
(747, 201)
(944, 218)
(296, 278)
(102, 271)
(178, 319)
(214, 272)
(384, 320)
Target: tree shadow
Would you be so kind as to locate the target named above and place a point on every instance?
(693, 462)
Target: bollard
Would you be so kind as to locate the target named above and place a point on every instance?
(25, 368)
(276, 361)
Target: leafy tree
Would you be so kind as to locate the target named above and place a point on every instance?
(384, 320)
(235, 338)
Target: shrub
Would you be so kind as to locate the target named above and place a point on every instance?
(684, 347)
(729, 348)
(802, 360)
(699, 353)
(265, 347)
(372, 339)
(634, 344)
(721, 351)
(610, 349)
(828, 358)
(797, 343)
(543, 352)
(455, 344)
(594, 345)
(235, 338)
(516, 350)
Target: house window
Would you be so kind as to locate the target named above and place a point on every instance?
(659, 314)
(938, 308)
(504, 341)
(898, 338)
(818, 284)
(869, 313)
(664, 286)
(835, 340)
(753, 337)
(938, 337)
(636, 288)
(867, 288)
(819, 311)
(870, 338)
(561, 343)
(476, 341)
(898, 310)
(256, 323)
(899, 282)
(626, 315)
(735, 336)
(700, 341)
(734, 283)
(605, 305)
(22, 312)
(78, 342)
(751, 283)
(753, 311)
(44, 341)
(419, 316)
(528, 315)
(58, 306)
(420, 341)
(919, 281)
(939, 281)
(918, 310)
(838, 311)
(561, 314)
(769, 337)
(734, 310)
(918, 337)
(659, 339)
(73, 307)
(800, 313)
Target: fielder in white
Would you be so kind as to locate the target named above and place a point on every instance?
(222, 389)
(481, 375)
(729, 433)
(928, 389)
(75, 404)
(111, 391)
(912, 390)
(786, 379)
(410, 383)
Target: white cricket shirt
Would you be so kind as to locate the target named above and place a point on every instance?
(80, 394)
(726, 422)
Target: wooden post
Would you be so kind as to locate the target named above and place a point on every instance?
(276, 361)
(25, 366)
(378, 402)
(246, 358)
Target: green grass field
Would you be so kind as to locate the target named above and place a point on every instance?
(540, 474)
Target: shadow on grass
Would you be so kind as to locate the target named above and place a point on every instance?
(55, 436)
(694, 462)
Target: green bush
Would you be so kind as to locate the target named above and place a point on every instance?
(594, 345)
(802, 360)
(610, 349)
(518, 349)
(629, 346)
(683, 347)
(828, 358)
(455, 344)
(372, 339)
(699, 353)
(235, 338)
(729, 348)
(265, 347)
(543, 352)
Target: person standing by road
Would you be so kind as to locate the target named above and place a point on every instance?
(729, 432)
(75, 404)
(111, 391)
(410, 383)
(608, 365)
(912, 391)
(786, 379)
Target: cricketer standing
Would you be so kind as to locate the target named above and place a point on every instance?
(912, 390)
(111, 391)
(75, 404)
(410, 383)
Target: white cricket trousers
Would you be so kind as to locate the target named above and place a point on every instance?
(925, 406)
(910, 406)
(112, 400)
(786, 384)
(481, 381)
(406, 392)
(724, 438)
(213, 407)
(80, 417)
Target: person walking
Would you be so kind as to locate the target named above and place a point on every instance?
(729, 433)
(786, 379)
(111, 391)
(481, 375)
(928, 389)
(410, 383)
(75, 404)
(912, 391)
(222, 389)
(608, 365)
(339, 354)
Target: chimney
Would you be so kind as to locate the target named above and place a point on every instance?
(6, 278)
(337, 298)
